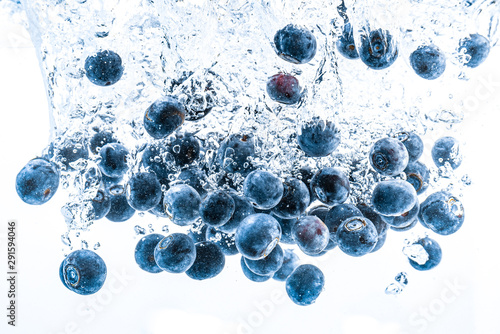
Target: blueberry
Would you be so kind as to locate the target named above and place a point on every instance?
(242, 209)
(417, 174)
(476, 47)
(411, 225)
(196, 178)
(380, 225)
(198, 232)
(217, 208)
(393, 197)
(305, 284)
(120, 210)
(434, 252)
(101, 204)
(225, 241)
(37, 181)
(305, 174)
(257, 236)
(286, 229)
(235, 152)
(330, 185)
(104, 68)
(284, 88)
(143, 191)
(175, 253)
(311, 234)
(83, 272)
(413, 143)
(320, 211)
(209, 261)
(357, 236)
(145, 253)
(153, 159)
(428, 62)
(163, 117)
(113, 160)
(251, 275)
(268, 265)
(318, 138)
(336, 215)
(404, 219)
(295, 44)
(345, 44)
(447, 150)
(389, 156)
(442, 212)
(159, 210)
(290, 262)
(378, 50)
(72, 152)
(295, 199)
(100, 139)
(185, 149)
(182, 204)
(263, 189)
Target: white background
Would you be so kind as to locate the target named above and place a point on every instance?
(459, 296)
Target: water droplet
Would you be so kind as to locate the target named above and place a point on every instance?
(65, 239)
(97, 245)
(165, 228)
(393, 289)
(416, 252)
(139, 230)
(85, 245)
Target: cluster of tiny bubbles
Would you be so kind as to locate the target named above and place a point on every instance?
(415, 251)
(396, 288)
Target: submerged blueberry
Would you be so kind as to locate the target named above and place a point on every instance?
(378, 49)
(83, 272)
(357, 236)
(182, 204)
(389, 156)
(428, 62)
(319, 138)
(442, 212)
(434, 254)
(447, 150)
(257, 236)
(393, 197)
(145, 253)
(284, 88)
(163, 117)
(235, 153)
(175, 253)
(209, 261)
(330, 185)
(295, 44)
(263, 189)
(345, 44)
(305, 284)
(37, 181)
(104, 68)
(476, 47)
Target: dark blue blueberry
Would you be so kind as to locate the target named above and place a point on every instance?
(284, 88)
(290, 262)
(109, 182)
(434, 252)
(447, 150)
(411, 225)
(442, 212)
(235, 152)
(153, 159)
(100, 139)
(263, 189)
(242, 209)
(120, 210)
(196, 178)
(104, 68)
(37, 181)
(257, 236)
(476, 47)
(286, 229)
(145, 253)
(305, 174)
(185, 149)
(198, 232)
(393, 197)
(318, 138)
(330, 185)
(346, 45)
(295, 44)
(71, 153)
(83, 272)
(182, 204)
(389, 156)
(295, 199)
(251, 275)
(305, 284)
(380, 242)
(268, 265)
(159, 210)
(405, 219)
(379, 223)
(311, 234)
(413, 143)
(336, 215)
(428, 62)
(113, 160)
(209, 261)
(163, 117)
(378, 50)
(217, 208)
(225, 241)
(357, 236)
(175, 253)
(320, 211)
(101, 204)
(143, 191)
(417, 174)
